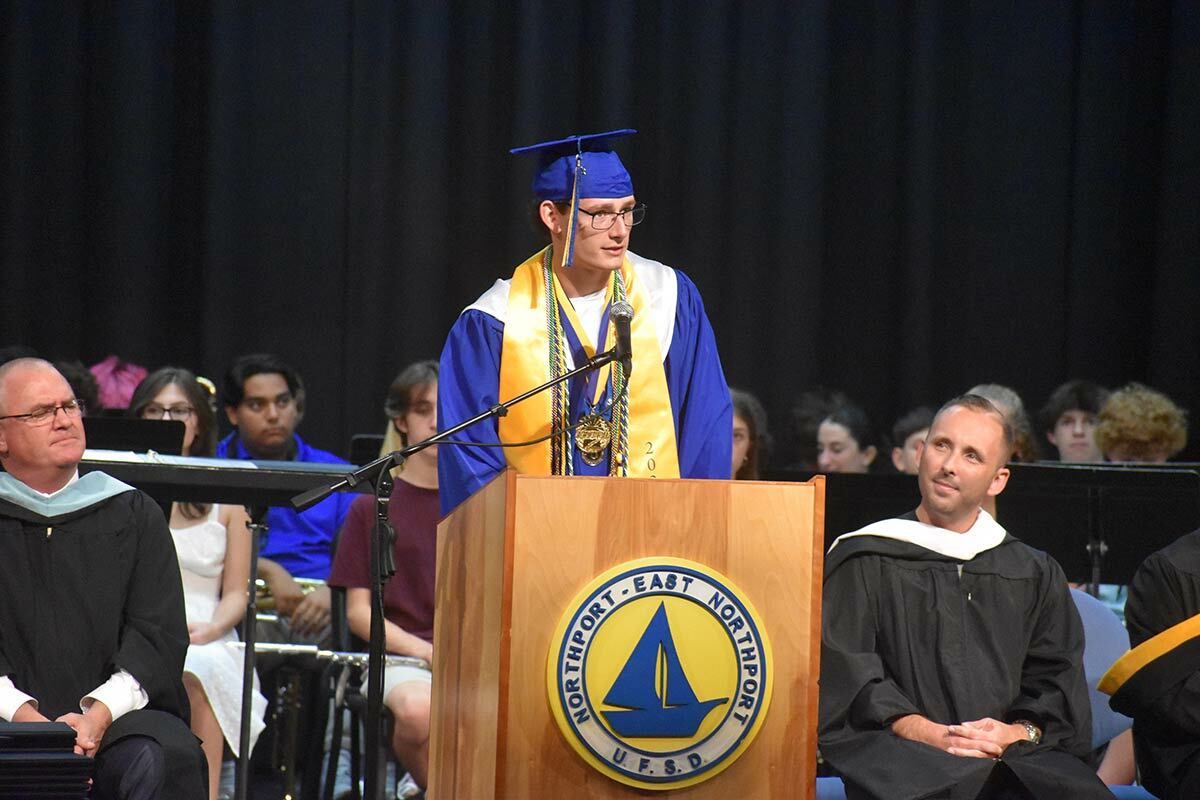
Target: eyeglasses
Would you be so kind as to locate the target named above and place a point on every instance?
(179, 413)
(44, 415)
(603, 220)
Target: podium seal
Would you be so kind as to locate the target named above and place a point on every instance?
(659, 674)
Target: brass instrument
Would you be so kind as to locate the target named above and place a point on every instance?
(332, 656)
(266, 603)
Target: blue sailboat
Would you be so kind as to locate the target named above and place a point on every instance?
(652, 687)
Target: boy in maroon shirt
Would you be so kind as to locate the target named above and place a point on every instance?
(408, 595)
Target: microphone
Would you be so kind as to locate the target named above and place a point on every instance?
(621, 315)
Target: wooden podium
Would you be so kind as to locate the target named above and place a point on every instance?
(513, 557)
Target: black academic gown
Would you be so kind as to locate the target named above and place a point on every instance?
(1166, 591)
(903, 633)
(91, 592)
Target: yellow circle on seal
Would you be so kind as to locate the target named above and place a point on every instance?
(659, 673)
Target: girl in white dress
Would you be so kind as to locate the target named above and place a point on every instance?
(213, 544)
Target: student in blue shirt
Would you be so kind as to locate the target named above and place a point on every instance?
(264, 400)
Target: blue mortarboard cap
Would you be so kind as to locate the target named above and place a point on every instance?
(575, 167)
(602, 173)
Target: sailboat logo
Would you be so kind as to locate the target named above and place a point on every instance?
(653, 689)
(659, 674)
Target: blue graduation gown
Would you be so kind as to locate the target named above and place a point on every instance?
(469, 380)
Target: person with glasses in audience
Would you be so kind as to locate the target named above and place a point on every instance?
(264, 401)
(669, 415)
(213, 546)
(92, 625)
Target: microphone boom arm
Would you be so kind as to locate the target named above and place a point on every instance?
(370, 470)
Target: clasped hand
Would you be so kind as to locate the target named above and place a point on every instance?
(308, 613)
(89, 727)
(981, 738)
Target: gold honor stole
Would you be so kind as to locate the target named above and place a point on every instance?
(525, 362)
(1145, 672)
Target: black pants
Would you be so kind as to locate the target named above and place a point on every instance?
(132, 769)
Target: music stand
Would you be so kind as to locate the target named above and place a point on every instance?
(134, 435)
(1100, 521)
(365, 447)
(38, 759)
(853, 501)
(255, 485)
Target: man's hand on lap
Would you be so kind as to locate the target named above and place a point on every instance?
(990, 734)
(948, 738)
(89, 727)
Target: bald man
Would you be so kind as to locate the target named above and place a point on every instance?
(92, 625)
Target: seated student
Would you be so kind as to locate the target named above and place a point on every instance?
(1158, 682)
(115, 380)
(804, 418)
(213, 546)
(264, 400)
(846, 441)
(83, 383)
(907, 435)
(751, 439)
(408, 594)
(1009, 403)
(1139, 424)
(951, 653)
(91, 606)
(1068, 420)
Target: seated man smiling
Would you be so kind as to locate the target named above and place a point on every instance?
(951, 653)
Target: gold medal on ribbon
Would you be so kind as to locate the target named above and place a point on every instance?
(592, 437)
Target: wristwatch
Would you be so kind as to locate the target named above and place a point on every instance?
(1033, 731)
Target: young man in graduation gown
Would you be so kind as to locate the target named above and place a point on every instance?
(1158, 681)
(951, 659)
(92, 625)
(675, 417)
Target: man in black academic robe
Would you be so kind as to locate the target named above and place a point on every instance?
(1164, 699)
(951, 652)
(92, 625)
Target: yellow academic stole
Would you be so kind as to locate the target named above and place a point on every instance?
(643, 439)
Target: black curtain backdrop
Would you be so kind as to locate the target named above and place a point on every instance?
(898, 200)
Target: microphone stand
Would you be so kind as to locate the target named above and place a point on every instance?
(378, 474)
(258, 530)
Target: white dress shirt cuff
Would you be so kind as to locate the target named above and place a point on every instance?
(12, 698)
(121, 693)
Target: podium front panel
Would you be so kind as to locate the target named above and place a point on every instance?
(529, 544)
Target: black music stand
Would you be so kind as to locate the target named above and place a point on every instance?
(38, 759)
(134, 434)
(255, 485)
(1100, 521)
(853, 501)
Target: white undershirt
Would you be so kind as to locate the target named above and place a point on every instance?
(590, 310)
